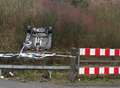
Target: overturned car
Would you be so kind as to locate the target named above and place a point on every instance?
(39, 39)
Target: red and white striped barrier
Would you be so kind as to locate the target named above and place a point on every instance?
(99, 52)
(99, 70)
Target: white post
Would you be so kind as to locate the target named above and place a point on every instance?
(50, 73)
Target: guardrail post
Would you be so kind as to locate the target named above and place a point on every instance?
(78, 59)
(50, 74)
(73, 71)
(0, 72)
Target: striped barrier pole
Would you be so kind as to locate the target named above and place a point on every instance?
(99, 52)
(99, 71)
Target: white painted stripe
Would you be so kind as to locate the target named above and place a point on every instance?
(119, 70)
(102, 52)
(92, 70)
(101, 70)
(119, 52)
(112, 52)
(82, 51)
(81, 70)
(1, 55)
(111, 70)
(92, 52)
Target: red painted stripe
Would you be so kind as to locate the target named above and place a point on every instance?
(96, 70)
(117, 52)
(106, 70)
(87, 71)
(116, 70)
(87, 51)
(97, 51)
(107, 52)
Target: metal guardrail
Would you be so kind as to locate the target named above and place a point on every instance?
(34, 67)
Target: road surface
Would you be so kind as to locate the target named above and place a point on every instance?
(17, 84)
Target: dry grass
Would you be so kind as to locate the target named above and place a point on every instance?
(93, 26)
